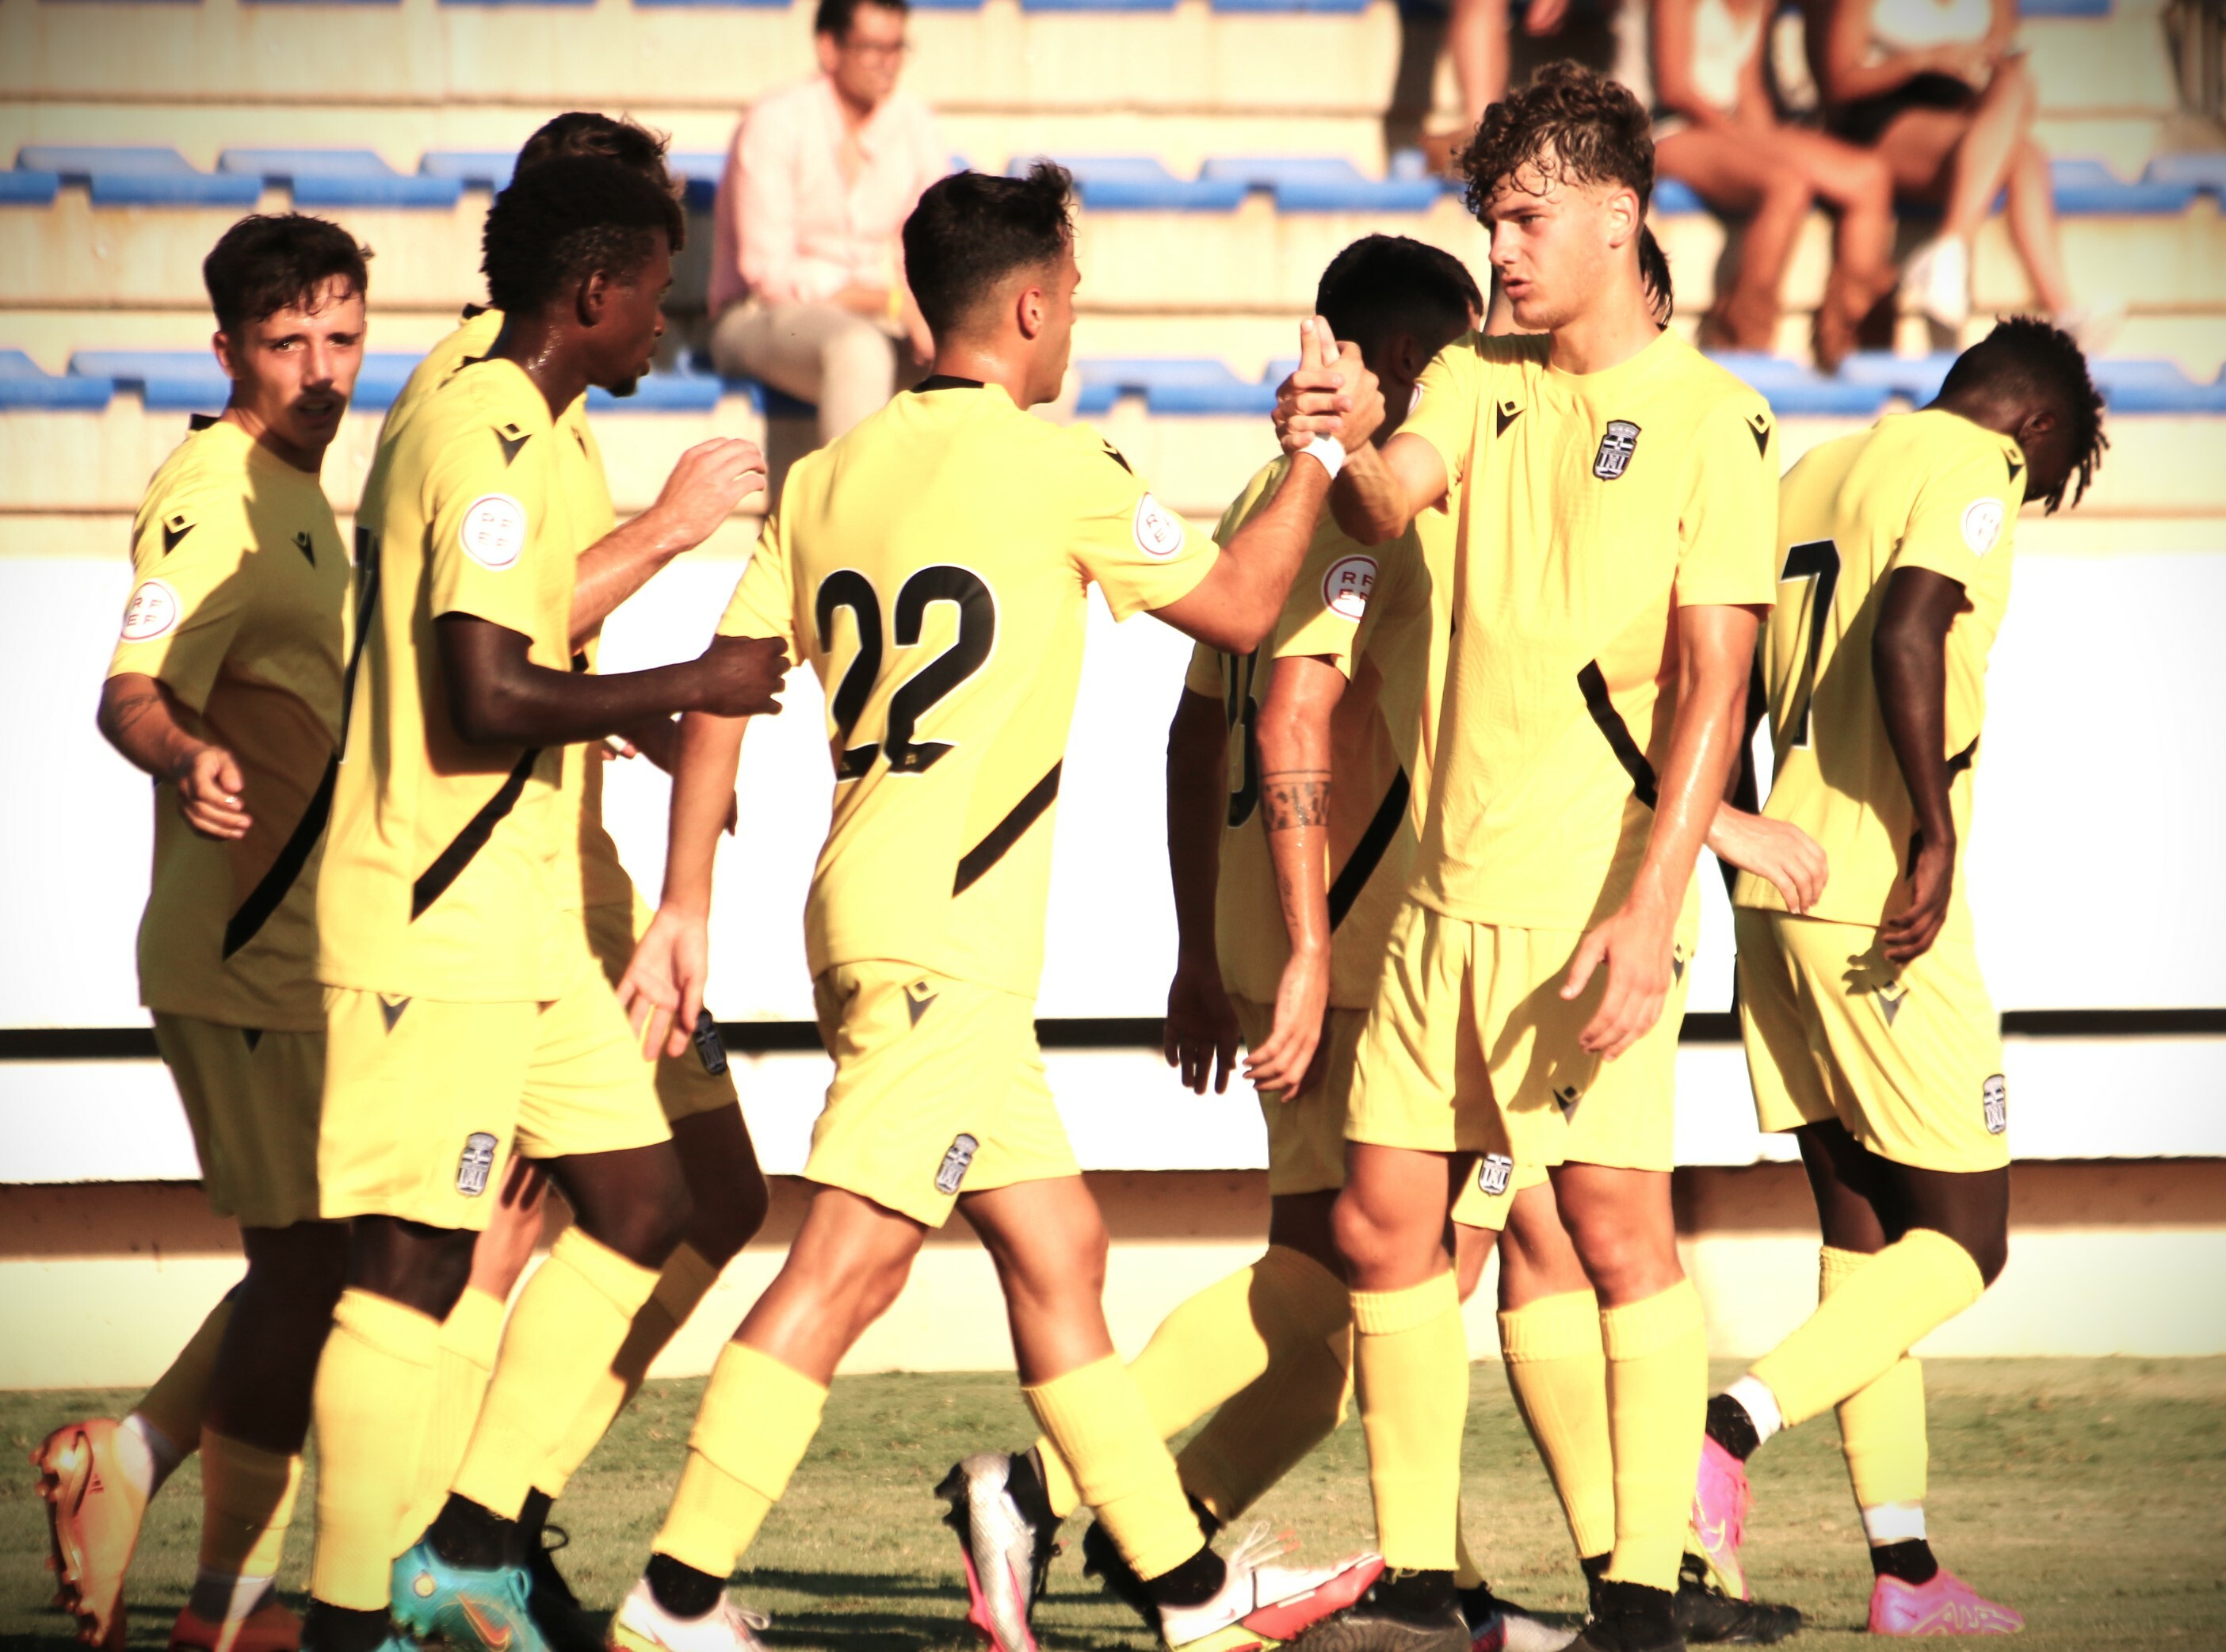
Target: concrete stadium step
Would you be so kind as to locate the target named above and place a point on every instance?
(1001, 57)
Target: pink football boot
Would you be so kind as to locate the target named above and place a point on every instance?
(1947, 1605)
(1719, 1520)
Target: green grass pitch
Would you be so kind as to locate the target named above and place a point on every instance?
(2090, 1494)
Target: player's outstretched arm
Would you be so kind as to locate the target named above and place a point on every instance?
(1381, 490)
(1909, 661)
(1716, 645)
(662, 991)
(1294, 731)
(710, 479)
(140, 718)
(1236, 604)
(498, 696)
(1201, 1037)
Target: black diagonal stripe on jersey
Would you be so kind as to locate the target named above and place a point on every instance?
(265, 898)
(1368, 853)
(434, 881)
(366, 606)
(1955, 765)
(1007, 832)
(1619, 742)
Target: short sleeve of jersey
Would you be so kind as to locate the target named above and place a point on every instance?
(1967, 509)
(1446, 398)
(190, 558)
(1727, 530)
(764, 603)
(1139, 552)
(486, 513)
(1327, 614)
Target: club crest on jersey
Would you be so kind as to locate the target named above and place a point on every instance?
(475, 1165)
(1493, 1173)
(1617, 446)
(1159, 531)
(1995, 1104)
(956, 1159)
(1982, 524)
(152, 611)
(1347, 585)
(493, 531)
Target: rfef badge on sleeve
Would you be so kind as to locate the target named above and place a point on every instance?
(1620, 441)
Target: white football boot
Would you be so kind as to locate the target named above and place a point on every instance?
(1260, 1604)
(641, 1625)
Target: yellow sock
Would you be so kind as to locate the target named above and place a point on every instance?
(568, 1322)
(1261, 1433)
(1922, 1280)
(373, 1386)
(1120, 1465)
(686, 1281)
(1882, 1425)
(1410, 1364)
(174, 1404)
(1221, 1339)
(757, 1418)
(1558, 1370)
(247, 1501)
(1657, 1399)
(469, 1339)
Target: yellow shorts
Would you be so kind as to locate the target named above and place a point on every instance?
(252, 1100)
(1490, 1189)
(1471, 1048)
(1910, 1061)
(686, 1084)
(426, 1100)
(1306, 1138)
(939, 1088)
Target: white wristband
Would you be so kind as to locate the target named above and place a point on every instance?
(1330, 451)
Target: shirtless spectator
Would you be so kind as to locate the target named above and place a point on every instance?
(1716, 129)
(807, 276)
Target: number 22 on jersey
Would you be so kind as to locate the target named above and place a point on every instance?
(928, 685)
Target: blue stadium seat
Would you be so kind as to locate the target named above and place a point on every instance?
(2063, 8)
(1795, 390)
(191, 381)
(1673, 197)
(25, 186)
(1325, 184)
(1173, 386)
(2089, 187)
(133, 176)
(1917, 377)
(1098, 5)
(663, 392)
(340, 178)
(701, 173)
(2206, 171)
(24, 383)
(2129, 387)
(1139, 183)
(1331, 6)
(473, 168)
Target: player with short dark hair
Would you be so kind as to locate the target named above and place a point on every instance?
(933, 564)
(226, 686)
(1869, 1032)
(1617, 496)
(466, 1017)
(727, 1189)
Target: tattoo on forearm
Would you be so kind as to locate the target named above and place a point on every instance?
(126, 711)
(1295, 797)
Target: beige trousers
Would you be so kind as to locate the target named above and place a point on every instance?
(847, 363)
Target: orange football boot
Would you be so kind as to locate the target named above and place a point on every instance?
(271, 1627)
(92, 1522)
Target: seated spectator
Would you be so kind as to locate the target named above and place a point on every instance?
(1716, 129)
(1939, 90)
(1476, 41)
(808, 290)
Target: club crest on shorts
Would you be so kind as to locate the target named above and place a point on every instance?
(1617, 446)
(1567, 1098)
(1995, 1104)
(1890, 995)
(475, 1165)
(1493, 1171)
(955, 1157)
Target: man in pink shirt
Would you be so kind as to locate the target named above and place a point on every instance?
(807, 274)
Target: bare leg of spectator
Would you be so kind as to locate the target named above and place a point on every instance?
(822, 353)
(1965, 174)
(1733, 174)
(2032, 227)
(1859, 188)
(1476, 41)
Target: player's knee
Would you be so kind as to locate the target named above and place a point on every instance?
(420, 1266)
(1989, 1252)
(646, 1233)
(1373, 1242)
(720, 1227)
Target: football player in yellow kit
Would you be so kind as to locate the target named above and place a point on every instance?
(464, 1010)
(726, 1190)
(226, 686)
(1869, 1033)
(934, 565)
(1616, 495)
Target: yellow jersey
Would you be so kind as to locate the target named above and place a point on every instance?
(1926, 489)
(1590, 508)
(1376, 613)
(239, 610)
(933, 565)
(453, 869)
(602, 879)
